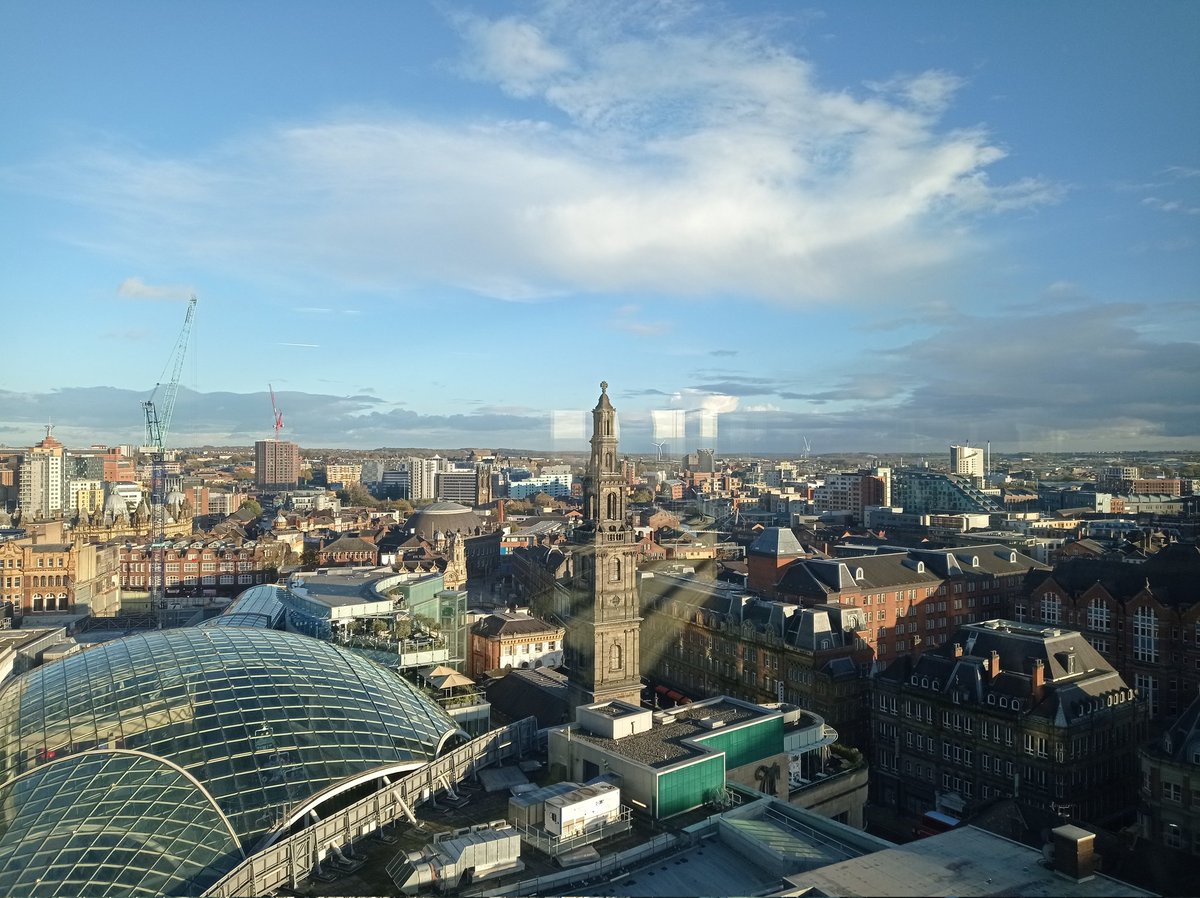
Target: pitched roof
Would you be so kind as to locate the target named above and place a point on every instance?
(504, 623)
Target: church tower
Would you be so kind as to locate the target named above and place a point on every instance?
(603, 640)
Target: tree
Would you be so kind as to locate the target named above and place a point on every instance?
(357, 494)
(403, 506)
(541, 500)
(641, 496)
(252, 505)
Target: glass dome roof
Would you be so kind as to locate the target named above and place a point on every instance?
(263, 720)
(111, 823)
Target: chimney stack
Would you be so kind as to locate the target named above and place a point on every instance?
(958, 650)
(993, 665)
(1039, 680)
(1074, 852)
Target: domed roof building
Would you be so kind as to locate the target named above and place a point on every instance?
(154, 764)
(442, 519)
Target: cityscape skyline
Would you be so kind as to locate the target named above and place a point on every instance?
(871, 228)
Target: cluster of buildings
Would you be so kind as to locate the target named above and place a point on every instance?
(873, 648)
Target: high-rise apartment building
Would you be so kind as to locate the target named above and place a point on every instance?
(422, 474)
(967, 460)
(276, 464)
(854, 491)
(42, 488)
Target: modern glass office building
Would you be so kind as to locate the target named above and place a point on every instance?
(152, 764)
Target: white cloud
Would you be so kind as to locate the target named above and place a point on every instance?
(136, 288)
(511, 52)
(680, 158)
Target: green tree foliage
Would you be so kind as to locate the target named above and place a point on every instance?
(253, 506)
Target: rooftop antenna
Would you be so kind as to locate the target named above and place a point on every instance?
(278, 413)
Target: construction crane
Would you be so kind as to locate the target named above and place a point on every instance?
(278, 413)
(158, 426)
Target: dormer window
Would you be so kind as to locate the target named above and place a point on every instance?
(858, 573)
(1003, 701)
(991, 698)
(925, 682)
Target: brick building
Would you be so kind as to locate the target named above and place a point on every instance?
(1006, 710)
(199, 565)
(913, 599)
(704, 638)
(276, 465)
(1169, 812)
(44, 577)
(1143, 618)
(515, 641)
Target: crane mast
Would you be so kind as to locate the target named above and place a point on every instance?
(158, 426)
(278, 413)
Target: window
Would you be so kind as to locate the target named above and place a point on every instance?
(1172, 792)
(1051, 609)
(1147, 690)
(1145, 635)
(615, 658)
(1173, 835)
(1020, 610)
(1098, 616)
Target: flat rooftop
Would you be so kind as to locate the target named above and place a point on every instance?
(663, 745)
(339, 589)
(709, 868)
(964, 861)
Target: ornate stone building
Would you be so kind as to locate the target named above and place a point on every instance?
(600, 610)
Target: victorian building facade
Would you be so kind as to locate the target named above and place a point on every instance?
(1009, 710)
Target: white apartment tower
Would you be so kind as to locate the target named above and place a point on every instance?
(43, 480)
(967, 460)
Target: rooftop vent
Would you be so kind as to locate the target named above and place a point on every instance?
(710, 723)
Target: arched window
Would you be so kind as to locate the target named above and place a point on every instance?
(608, 465)
(615, 657)
(612, 506)
(608, 427)
(615, 570)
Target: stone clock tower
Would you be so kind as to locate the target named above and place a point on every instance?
(603, 639)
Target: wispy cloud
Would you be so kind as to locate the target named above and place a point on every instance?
(1155, 202)
(301, 345)
(675, 153)
(136, 288)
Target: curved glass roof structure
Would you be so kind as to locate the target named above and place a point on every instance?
(258, 606)
(111, 822)
(262, 720)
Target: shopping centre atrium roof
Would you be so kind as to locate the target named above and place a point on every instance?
(227, 732)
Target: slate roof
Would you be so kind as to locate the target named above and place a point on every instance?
(503, 624)
(350, 544)
(539, 692)
(1076, 675)
(776, 542)
(816, 578)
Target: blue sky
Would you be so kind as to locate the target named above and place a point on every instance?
(877, 226)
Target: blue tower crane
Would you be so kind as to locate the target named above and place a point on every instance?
(158, 426)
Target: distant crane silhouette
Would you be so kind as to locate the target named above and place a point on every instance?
(278, 413)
